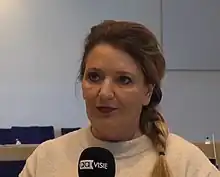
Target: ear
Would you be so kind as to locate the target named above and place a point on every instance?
(148, 93)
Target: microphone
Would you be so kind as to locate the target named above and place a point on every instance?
(96, 162)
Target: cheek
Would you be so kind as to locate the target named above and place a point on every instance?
(89, 96)
(84, 90)
(88, 91)
(132, 96)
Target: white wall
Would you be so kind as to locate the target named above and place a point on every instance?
(39, 51)
(191, 103)
(191, 30)
(191, 42)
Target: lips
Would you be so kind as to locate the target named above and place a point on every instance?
(104, 109)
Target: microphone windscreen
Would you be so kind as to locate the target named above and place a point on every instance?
(96, 162)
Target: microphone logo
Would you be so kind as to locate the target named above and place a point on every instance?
(86, 165)
(90, 165)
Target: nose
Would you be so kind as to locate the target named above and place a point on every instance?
(106, 91)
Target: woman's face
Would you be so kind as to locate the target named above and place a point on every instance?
(114, 92)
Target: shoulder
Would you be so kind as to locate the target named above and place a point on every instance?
(177, 142)
(190, 156)
(71, 140)
(52, 153)
(185, 149)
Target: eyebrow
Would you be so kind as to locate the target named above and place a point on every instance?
(94, 69)
(119, 72)
(125, 73)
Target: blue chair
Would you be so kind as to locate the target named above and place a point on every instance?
(33, 134)
(11, 168)
(47, 133)
(68, 130)
(6, 137)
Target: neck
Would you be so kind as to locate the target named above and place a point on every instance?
(115, 138)
(123, 147)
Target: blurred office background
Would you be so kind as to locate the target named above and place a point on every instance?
(41, 43)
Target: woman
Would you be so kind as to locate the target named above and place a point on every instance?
(120, 72)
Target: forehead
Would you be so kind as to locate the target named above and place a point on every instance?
(107, 57)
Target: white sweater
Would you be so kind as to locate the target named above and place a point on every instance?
(59, 157)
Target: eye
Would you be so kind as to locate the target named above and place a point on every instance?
(124, 80)
(93, 77)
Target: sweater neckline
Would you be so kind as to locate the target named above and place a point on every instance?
(120, 149)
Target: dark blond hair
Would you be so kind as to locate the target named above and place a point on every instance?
(140, 43)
